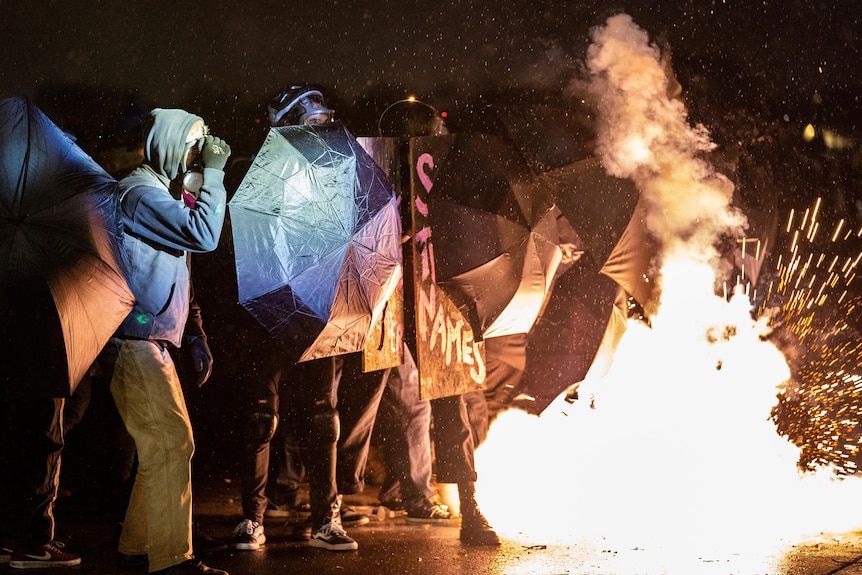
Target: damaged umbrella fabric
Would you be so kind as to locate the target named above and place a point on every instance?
(316, 235)
(497, 235)
(63, 290)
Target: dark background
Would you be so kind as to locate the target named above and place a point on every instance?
(754, 72)
(90, 63)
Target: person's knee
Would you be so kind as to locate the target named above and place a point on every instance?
(324, 426)
(260, 427)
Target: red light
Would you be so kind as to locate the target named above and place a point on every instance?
(443, 114)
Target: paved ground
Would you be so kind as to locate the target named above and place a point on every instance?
(392, 546)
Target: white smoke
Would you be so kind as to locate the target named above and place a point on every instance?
(643, 134)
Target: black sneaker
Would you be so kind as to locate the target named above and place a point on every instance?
(332, 536)
(248, 536)
(429, 511)
(48, 555)
(353, 518)
(475, 530)
(190, 567)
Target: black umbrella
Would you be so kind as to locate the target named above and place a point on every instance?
(62, 275)
(497, 235)
(317, 239)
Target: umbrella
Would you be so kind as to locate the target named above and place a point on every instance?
(62, 274)
(316, 239)
(497, 235)
(585, 303)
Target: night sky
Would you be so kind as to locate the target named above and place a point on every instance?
(85, 61)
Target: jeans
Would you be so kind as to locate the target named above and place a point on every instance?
(405, 437)
(453, 440)
(303, 396)
(150, 400)
(359, 395)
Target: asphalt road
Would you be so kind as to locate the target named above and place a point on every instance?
(391, 546)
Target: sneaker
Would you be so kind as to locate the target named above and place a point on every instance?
(353, 518)
(248, 536)
(429, 511)
(5, 555)
(48, 555)
(333, 537)
(393, 504)
(190, 567)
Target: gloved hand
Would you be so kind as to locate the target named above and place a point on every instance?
(202, 358)
(214, 153)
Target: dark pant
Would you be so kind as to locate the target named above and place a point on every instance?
(404, 427)
(453, 440)
(31, 439)
(303, 395)
(358, 400)
(359, 397)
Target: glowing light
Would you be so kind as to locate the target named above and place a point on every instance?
(808, 133)
(691, 445)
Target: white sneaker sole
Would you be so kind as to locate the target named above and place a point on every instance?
(321, 544)
(249, 546)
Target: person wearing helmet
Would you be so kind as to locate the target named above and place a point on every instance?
(297, 405)
(299, 105)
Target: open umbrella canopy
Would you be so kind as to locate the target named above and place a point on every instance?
(497, 235)
(317, 237)
(63, 290)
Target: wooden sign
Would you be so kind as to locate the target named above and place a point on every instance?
(449, 358)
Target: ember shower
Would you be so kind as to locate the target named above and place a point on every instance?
(675, 447)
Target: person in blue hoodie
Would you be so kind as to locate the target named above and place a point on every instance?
(172, 205)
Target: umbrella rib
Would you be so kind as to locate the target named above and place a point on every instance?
(25, 165)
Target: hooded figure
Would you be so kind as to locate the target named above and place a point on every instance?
(160, 227)
(173, 204)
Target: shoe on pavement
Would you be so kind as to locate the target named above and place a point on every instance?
(248, 536)
(353, 518)
(5, 555)
(332, 536)
(429, 510)
(475, 530)
(48, 555)
(190, 567)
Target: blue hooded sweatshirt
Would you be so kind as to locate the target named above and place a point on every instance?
(160, 230)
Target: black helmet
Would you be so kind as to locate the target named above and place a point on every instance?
(297, 105)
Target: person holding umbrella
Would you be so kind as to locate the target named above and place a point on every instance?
(62, 294)
(172, 205)
(298, 405)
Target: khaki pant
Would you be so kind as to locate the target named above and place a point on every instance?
(150, 400)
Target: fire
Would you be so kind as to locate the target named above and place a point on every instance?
(678, 454)
(673, 452)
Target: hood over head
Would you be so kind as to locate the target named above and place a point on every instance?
(165, 145)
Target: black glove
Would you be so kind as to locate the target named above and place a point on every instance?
(202, 358)
(214, 153)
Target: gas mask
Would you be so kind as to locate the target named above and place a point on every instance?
(193, 174)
